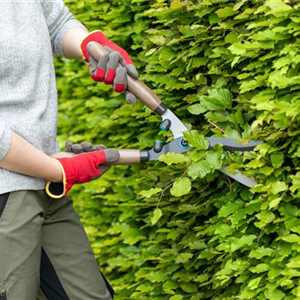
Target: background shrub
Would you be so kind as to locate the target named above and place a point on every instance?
(180, 229)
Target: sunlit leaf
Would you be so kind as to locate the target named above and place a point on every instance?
(156, 216)
(181, 186)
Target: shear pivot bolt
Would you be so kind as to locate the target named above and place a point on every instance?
(184, 143)
(158, 145)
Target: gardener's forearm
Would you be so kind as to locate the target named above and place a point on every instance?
(24, 158)
(72, 41)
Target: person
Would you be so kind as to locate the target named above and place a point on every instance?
(44, 251)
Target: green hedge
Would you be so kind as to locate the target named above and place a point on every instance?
(179, 229)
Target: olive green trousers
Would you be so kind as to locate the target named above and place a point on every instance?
(44, 251)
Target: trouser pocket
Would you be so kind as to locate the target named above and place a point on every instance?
(3, 202)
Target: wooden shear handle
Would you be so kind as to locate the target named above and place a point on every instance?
(127, 156)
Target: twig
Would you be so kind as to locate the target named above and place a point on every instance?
(162, 192)
(216, 126)
(229, 184)
(168, 186)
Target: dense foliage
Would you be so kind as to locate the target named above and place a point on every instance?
(179, 229)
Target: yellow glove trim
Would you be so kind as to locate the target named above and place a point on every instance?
(64, 182)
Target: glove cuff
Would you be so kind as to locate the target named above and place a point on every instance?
(57, 190)
(95, 36)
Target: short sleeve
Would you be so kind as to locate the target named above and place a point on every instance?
(59, 21)
(5, 139)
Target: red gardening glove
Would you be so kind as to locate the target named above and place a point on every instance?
(108, 69)
(79, 169)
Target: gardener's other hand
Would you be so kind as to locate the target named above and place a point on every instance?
(108, 69)
(79, 169)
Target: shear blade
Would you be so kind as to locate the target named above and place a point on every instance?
(233, 144)
(249, 182)
(229, 144)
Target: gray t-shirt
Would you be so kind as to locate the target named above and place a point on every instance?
(31, 31)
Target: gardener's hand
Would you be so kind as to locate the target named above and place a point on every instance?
(81, 168)
(108, 69)
(82, 147)
(86, 147)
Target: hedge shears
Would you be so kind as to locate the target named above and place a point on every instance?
(169, 122)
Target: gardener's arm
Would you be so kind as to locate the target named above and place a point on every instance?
(24, 158)
(72, 42)
(16, 154)
(70, 38)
